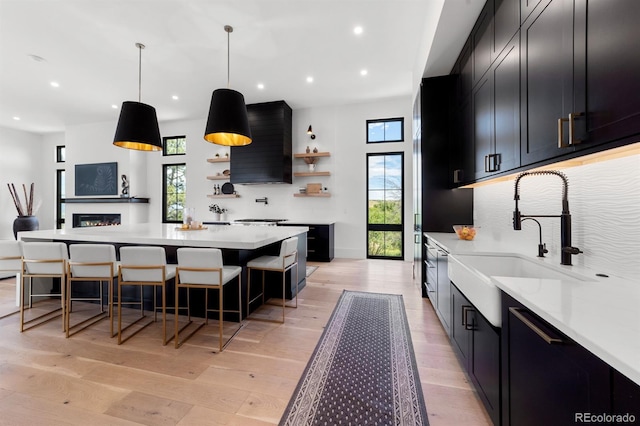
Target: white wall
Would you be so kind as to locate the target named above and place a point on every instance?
(604, 200)
(22, 162)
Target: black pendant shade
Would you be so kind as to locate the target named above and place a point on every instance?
(138, 127)
(227, 123)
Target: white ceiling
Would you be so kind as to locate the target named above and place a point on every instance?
(88, 48)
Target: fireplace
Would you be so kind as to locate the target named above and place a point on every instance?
(83, 220)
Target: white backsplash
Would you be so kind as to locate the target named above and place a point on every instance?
(604, 200)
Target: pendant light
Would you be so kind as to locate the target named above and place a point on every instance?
(227, 123)
(138, 124)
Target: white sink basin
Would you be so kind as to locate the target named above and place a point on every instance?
(472, 273)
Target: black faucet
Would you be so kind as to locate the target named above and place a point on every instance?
(542, 247)
(565, 217)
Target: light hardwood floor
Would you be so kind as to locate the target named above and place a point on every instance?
(46, 379)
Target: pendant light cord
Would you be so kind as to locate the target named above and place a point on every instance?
(229, 30)
(140, 46)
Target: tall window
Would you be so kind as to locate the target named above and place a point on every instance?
(385, 130)
(174, 191)
(385, 201)
(60, 195)
(174, 145)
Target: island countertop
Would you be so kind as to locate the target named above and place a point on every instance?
(218, 236)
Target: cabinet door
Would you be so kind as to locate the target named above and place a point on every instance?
(482, 36)
(526, 7)
(626, 395)
(506, 108)
(444, 291)
(483, 128)
(485, 364)
(506, 21)
(547, 75)
(461, 325)
(613, 70)
(551, 378)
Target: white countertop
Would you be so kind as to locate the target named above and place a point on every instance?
(219, 236)
(600, 314)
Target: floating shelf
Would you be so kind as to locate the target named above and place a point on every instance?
(312, 174)
(218, 177)
(312, 154)
(105, 200)
(218, 160)
(322, 194)
(224, 196)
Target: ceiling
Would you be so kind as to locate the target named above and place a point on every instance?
(88, 49)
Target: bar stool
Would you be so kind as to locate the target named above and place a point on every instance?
(203, 268)
(287, 259)
(93, 263)
(11, 261)
(43, 260)
(144, 266)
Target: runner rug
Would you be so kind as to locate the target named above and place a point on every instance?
(363, 370)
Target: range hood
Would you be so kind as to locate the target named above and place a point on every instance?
(268, 158)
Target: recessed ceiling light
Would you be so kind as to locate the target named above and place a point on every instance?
(175, 97)
(309, 79)
(55, 84)
(364, 72)
(358, 30)
(16, 118)
(114, 106)
(260, 86)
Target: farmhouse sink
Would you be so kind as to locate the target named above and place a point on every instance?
(472, 273)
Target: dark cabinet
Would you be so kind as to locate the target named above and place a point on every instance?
(626, 396)
(437, 282)
(477, 343)
(552, 81)
(320, 241)
(506, 22)
(482, 36)
(496, 112)
(547, 377)
(613, 67)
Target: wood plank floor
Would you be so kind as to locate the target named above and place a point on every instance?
(89, 379)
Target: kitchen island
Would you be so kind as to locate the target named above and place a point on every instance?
(239, 244)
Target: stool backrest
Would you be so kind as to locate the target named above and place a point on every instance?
(288, 248)
(92, 253)
(10, 255)
(43, 251)
(142, 256)
(208, 258)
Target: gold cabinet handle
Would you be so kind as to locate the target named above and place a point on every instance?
(550, 340)
(561, 143)
(572, 139)
(486, 163)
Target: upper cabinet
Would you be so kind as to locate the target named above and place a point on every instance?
(546, 80)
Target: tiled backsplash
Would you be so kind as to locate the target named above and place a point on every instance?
(604, 200)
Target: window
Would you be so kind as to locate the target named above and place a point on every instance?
(60, 153)
(385, 201)
(385, 130)
(60, 194)
(174, 145)
(174, 192)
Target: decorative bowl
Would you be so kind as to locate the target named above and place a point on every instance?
(465, 232)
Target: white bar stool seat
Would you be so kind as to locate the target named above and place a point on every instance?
(286, 260)
(43, 260)
(91, 262)
(204, 268)
(144, 266)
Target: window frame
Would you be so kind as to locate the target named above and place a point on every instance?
(60, 153)
(382, 227)
(164, 145)
(386, 120)
(164, 189)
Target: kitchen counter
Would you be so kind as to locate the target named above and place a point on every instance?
(219, 236)
(599, 314)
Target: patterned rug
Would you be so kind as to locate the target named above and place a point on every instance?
(363, 370)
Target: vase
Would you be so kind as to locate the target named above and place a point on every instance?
(312, 167)
(216, 217)
(223, 217)
(25, 223)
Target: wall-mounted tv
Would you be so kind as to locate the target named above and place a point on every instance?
(97, 179)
